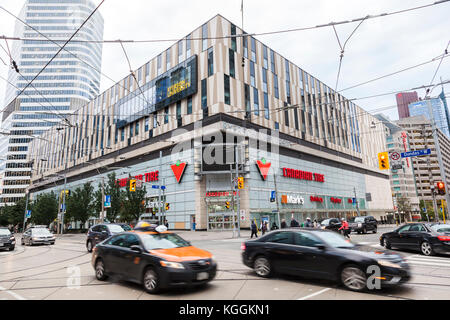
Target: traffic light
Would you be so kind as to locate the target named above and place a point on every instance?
(241, 183)
(133, 185)
(167, 206)
(227, 204)
(441, 188)
(383, 160)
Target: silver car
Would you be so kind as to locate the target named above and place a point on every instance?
(38, 236)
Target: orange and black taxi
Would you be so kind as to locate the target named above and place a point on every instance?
(154, 257)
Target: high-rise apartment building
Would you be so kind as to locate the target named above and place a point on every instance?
(71, 80)
(403, 101)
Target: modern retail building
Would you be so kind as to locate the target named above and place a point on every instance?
(70, 81)
(214, 92)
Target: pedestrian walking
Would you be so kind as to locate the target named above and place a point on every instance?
(308, 223)
(263, 227)
(274, 226)
(254, 229)
(283, 224)
(294, 223)
(316, 224)
(345, 228)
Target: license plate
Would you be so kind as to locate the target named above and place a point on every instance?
(202, 276)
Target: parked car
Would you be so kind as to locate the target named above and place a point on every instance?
(103, 231)
(153, 257)
(363, 224)
(331, 224)
(38, 235)
(7, 239)
(428, 238)
(322, 254)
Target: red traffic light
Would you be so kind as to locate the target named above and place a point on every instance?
(441, 187)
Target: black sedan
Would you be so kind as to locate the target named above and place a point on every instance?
(331, 224)
(157, 260)
(427, 238)
(103, 231)
(323, 254)
(7, 240)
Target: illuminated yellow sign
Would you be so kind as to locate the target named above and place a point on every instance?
(177, 87)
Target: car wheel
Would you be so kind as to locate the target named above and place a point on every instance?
(387, 244)
(100, 273)
(262, 267)
(375, 230)
(353, 278)
(21, 242)
(151, 281)
(89, 246)
(426, 249)
(11, 248)
(364, 230)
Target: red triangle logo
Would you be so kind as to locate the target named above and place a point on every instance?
(178, 170)
(263, 168)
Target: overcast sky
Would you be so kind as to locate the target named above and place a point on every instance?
(380, 46)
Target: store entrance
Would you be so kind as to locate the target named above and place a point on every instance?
(220, 214)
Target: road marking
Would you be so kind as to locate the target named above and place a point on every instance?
(314, 294)
(15, 295)
(428, 261)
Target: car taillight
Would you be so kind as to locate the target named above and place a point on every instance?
(444, 238)
(243, 246)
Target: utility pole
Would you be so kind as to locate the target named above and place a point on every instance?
(64, 203)
(159, 191)
(238, 200)
(103, 200)
(357, 203)
(232, 198)
(277, 199)
(433, 195)
(26, 210)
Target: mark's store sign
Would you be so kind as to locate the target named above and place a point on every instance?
(335, 200)
(303, 175)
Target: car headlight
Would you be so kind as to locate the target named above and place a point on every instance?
(12, 238)
(34, 238)
(359, 225)
(169, 264)
(386, 263)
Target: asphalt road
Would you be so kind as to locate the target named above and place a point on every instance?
(63, 271)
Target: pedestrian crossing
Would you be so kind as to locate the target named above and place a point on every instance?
(428, 261)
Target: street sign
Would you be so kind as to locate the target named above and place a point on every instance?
(416, 153)
(242, 212)
(157, 187)
(272, 196)
(28, 215)
(138, 183)
(395, 160)
(424, 210)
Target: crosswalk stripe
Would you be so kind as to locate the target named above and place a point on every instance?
(429, 263)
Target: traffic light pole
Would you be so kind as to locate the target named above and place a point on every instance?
(238, 196)
(159, 191)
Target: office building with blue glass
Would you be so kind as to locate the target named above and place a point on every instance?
(439, 114)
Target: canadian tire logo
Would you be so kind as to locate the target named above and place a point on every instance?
(263, 167)
(178, 170)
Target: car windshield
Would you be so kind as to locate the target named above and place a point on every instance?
(441, 227)
(4, 232)
(41, 231)
(335, 240)
(163, 241)
(359, 219)
(126, 227)
(115, 228)
(325, 222)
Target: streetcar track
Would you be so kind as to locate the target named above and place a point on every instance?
(22, 258)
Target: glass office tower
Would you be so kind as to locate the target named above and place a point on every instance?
(71, 80)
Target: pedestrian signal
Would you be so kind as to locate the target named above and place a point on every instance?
(383, 160)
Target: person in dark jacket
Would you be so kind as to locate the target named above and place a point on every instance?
(294, 223)
(254, 229)
(274, 226)
(283, 224)
(308, 223)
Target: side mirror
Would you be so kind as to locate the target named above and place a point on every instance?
(136, 248)
(320, 246)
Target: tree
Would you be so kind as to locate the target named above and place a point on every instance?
(117, 197)
(134, 204)
(44, 209)
(80, 204)
(15, 214)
